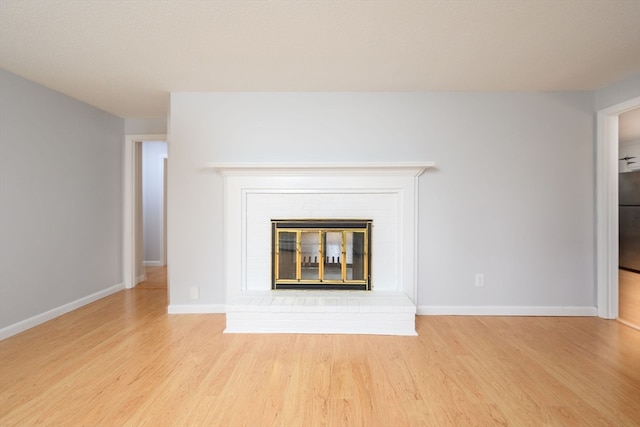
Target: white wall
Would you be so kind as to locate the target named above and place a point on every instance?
(512, 196)
(60, 202)
(153, 155)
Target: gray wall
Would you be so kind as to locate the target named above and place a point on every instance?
(618, 92)
(145, 126)
(512, 196)
(60, 200)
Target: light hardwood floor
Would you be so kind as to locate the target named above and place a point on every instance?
(156, 278)
(123, 361)
(629, 298)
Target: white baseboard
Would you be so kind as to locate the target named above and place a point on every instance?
(195, 308)
(153, 263)
(141, 278)
(434, 310)
(29, 323)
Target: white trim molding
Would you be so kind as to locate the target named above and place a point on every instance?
(153, 263)
(31, 322)
(434, 310)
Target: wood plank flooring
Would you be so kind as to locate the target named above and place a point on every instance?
(156, 278)
(123, 361)
(629, 298)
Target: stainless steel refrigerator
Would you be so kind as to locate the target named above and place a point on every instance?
(629, 221)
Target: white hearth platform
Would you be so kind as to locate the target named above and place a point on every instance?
(322, 312)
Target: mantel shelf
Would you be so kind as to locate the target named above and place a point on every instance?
(271, 169)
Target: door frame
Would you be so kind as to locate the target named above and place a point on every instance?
(607, 207)
(129, 204)
(163, 221)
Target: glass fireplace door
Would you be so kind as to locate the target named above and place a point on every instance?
(310, 250)
(317, 254)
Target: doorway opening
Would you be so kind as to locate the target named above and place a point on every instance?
(607, 258)
(629, 218)
(154, 156)
(133, 238)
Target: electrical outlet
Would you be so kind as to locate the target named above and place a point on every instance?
(194, 292)
(479, 279)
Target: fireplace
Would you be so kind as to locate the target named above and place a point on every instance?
(360, 221)
(329, 254)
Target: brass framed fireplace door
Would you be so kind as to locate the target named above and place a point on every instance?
(332, 254)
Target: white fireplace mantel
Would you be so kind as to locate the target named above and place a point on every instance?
(254, 194)
(308, 169)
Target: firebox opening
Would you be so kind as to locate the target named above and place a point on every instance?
(321, 254)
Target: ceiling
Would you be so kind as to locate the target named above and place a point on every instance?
(125, 57)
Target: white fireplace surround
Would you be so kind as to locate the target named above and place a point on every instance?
(254, 194)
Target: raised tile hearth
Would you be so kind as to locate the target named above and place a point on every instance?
(327, 312)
